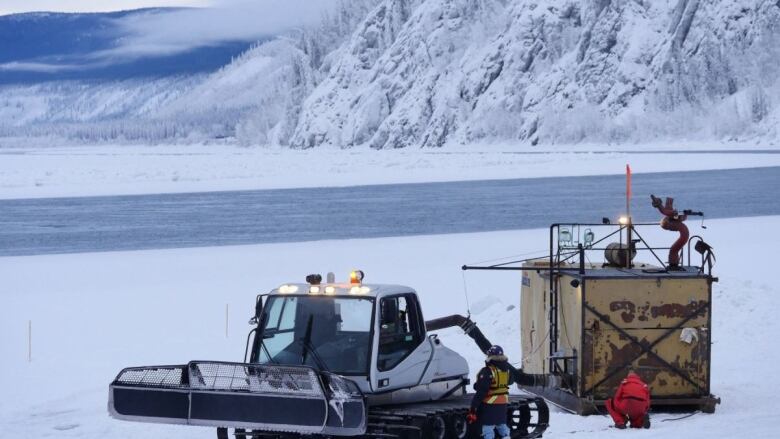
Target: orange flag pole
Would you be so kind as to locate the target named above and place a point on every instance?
(628, 192)
(629, 222)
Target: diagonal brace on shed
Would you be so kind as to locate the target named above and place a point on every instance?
(646, 349)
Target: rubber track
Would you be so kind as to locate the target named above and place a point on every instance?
(410, 421)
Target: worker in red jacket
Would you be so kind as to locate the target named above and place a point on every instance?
(631, 403)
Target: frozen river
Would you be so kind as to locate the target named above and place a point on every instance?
(68, 225)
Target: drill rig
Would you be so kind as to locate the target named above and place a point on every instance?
(590, 313)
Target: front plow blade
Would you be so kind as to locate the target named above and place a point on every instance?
(236, 395)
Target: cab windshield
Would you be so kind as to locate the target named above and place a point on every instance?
(339, 332)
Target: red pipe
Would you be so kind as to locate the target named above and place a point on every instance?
(672, 221)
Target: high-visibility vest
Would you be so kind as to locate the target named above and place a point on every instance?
(499, 387)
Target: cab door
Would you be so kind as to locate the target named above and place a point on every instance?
(402, 350)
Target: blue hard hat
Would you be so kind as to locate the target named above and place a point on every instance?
(495, 351)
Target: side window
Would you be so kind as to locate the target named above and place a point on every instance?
(400, 330)
(279, 328)
(281, 316)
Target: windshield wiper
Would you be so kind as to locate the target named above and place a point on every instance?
(267, 353)
(263, 336)
(308, 347)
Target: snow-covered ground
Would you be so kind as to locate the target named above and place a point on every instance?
(93, 314)
(27, 172)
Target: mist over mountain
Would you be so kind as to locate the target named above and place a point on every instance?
(40, 47)
(427, 73)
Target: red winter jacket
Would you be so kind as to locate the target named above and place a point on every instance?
(633, 388)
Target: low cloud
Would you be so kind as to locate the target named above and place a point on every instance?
(37, 67)
(161, 33)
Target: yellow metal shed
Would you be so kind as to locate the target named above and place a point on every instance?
(612, 320)
(585, 325)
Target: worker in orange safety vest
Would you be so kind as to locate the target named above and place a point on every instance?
(489, 404)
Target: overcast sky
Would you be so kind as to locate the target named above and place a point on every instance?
(172, 32)
(14, 6)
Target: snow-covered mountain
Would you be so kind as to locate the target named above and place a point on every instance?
(430, 72)
(401, 73)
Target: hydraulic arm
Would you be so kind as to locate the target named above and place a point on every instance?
(470, 328)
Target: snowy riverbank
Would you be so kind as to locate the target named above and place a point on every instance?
(93, 314)
(33, 172)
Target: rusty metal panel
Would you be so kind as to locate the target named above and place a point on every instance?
(569, 315)
(648, 303)
(611, 350)
(647, 309)
(534, 323)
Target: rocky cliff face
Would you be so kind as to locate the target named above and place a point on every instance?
(426, 73)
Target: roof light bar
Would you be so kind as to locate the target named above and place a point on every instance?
(359, 290)
(288, 289)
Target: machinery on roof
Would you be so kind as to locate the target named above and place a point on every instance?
(585, 324)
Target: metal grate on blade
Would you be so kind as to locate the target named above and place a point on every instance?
(156, 376)
(281, 380)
